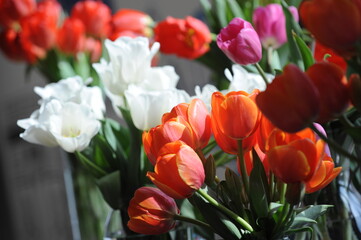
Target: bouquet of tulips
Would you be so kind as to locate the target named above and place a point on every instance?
(282, 109)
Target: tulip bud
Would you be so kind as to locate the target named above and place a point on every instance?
(270, 24)
(151, 211)
(340, 19)
(240, 42)
(354, 89)
(291, 101)
(187, 38)
(178, 171)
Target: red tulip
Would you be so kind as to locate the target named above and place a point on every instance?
(236, 114)
(187, 38)
(38, 35)
(10, 44)
(340, 19)
(333, 99)
(94, 48)
(11, 11)
(323, 176)
(321, 51)
(95, 15)
(240, 42)
(51, 9)
(178, 171)
(151, 211)
(354, 89)
(71, 36)
(127, 22)
(291, 101)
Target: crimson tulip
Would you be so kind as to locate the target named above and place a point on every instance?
(340, 19)
(329, 80)
(151, 211)
(95, 15)
(291, 101)
(240, 42)
(178, 171)
(71, 36)
(188, 38)
(321, 51)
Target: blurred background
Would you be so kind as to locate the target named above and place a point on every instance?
(35, 199)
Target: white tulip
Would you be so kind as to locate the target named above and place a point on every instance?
(68, 125)
(73, 89)
(147, 107)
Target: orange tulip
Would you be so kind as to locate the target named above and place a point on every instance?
(95, 15)
(187, 38)
(235, 114)
(178, 171)
(296, 161)
(340, 19)
(130, 21)
(151, 211)
(71, 36)
(329, 80)
(291, 101)
(323, 176)
(197, 116)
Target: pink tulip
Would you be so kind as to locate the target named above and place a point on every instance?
(270, 24)
(240, 42)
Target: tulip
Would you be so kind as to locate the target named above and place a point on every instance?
(291, 101)
(227, 144)
(196, 115)
(11, 11)
(333, 99)
(178, 171)
(68, 125)
(270, 24)
(323, 176)
(38, 35)
(340, 19)
(11, 45)
(354, 89)
(240, 42)
(321, 51)
(187, 38)
(130, 21)
(94, 48)
(71, 36)
(95, 15)
(151, 211)
(235, 114)
(51, 9)
(296, 161)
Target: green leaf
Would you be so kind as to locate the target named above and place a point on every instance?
(305, 217)
(210, 170)
(291, 27)
(65, 69)
(220, 6)
(82, 65)
(259, 198)
(218, 221)
(235, 9)
(88, 164)
(305, 52)
(110, 187)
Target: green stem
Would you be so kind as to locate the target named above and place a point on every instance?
(262, 73)
(334, 145)
(243, 167)
(89, 163)
(283, 188)
(225, 210)
(192, 221)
